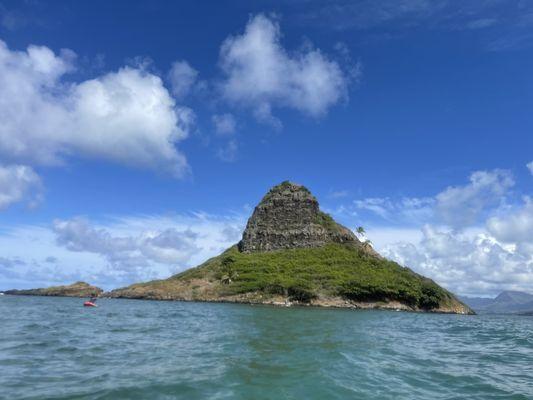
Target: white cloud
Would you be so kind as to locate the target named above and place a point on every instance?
(530, 167)
(182, 77)
(225, 124)
(126, 116)
(261, 74)
(472, 239)
(377, 205)
(409, 210)
(515, 227)
(29, 270)
(166, 246)
(461, 206)
(338, 194)
(384, 236)
(467, 263)
(19, 183)
(456, 206)
(115, 252)
(228, 152)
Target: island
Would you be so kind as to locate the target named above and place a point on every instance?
(292, 253)
(77, 289)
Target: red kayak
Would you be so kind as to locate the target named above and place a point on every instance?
(89, 304)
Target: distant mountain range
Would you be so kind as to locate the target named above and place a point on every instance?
(508, 302)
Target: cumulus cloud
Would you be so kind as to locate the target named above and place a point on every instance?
(474, 239)
(515, 227)
(530, 167)
(228, 152)
(224, 124)
(261, 73)
(461, 206)
(468, 241)
(167, 246)
(19, 183)
(182, 77)
(115, 252)
(407, 209)
(127, 116)
(338, 194)
(467, 263)
(9, 263)
(455, 206)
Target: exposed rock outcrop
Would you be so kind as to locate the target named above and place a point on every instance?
(289, 217)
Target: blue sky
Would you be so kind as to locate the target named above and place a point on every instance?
(136, 137)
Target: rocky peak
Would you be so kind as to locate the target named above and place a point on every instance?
(289, 216)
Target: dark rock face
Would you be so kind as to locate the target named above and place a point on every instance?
(289, 217)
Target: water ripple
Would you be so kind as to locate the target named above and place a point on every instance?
(52, 348)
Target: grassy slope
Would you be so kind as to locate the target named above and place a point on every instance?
(305, 274)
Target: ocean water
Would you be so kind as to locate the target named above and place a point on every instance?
(53, 348)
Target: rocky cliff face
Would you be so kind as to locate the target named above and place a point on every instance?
(289, 217)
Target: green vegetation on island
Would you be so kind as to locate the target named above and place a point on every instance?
(302, 275)
(293, 253)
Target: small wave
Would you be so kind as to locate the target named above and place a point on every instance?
(144, 350)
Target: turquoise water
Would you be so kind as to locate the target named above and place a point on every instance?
(53, 348)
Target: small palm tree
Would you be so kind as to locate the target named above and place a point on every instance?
(361, 234)
(229, 274)
(229, 277)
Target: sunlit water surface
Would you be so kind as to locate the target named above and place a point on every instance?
(53, 348)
